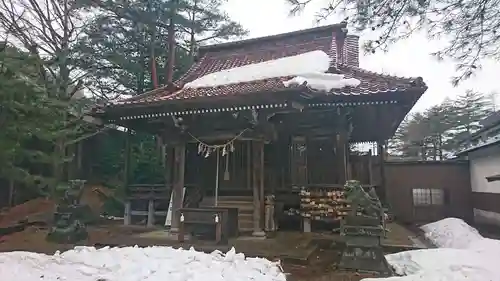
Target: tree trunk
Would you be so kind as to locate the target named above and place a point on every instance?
(154, 75)
(192, 39)
(171, 44)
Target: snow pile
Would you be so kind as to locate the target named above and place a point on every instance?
(442, 265)
(451, 233)
(323, 81)
(463, 255)
(135, 264)
(486, 246)
(310, 67)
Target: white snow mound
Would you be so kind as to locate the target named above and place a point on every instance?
(136, 264)
(442, 265)
(463, 254)
(451, 233)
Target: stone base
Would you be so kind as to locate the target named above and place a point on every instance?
(251, 238)
(259, 233)
(164, 234)
(306, 225)
(364, 259)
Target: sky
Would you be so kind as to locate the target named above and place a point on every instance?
(409, 58)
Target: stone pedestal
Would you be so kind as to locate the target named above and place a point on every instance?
(306, 225)
(259, 233)
(363, 249)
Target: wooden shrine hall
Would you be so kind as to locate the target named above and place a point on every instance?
(247, 128)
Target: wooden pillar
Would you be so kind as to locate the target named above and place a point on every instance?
(258, 185)
(168, 157)
(370, 168)
(299, 173)
(262, 179)
(126, 176)
(298, 162)
(127, 213)
(178, 184)
(249, 165)
(151, 213)
(341, 147)
(381, 154)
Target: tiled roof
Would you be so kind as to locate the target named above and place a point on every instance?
(224, 56)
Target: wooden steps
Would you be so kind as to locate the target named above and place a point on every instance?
(244, 205)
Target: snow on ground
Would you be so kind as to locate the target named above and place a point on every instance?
(451, 233)
(463, 254)
(136, 264)
(308, 67)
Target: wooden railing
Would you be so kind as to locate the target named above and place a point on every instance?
(148, 191)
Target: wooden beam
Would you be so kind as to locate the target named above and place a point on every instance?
(381, 154)
(178, 185)
(172, 137)
(261, 185)
(249, 164)
(341, 157)
(168, 167)
(298, 161)
(258, 171)
(126, 173)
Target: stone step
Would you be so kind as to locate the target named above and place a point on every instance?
(242, 208)
(245, 230)
(245, 216)
(243, 203)
(245, 225)
(236, 198)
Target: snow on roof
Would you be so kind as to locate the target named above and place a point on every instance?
(323, 81)
(481, 143)
(299, 65)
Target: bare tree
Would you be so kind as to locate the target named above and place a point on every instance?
(48, 30)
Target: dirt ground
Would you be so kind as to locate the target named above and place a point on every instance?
(320, 268)
(40, 208)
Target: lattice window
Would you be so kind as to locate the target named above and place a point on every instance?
(427, 196)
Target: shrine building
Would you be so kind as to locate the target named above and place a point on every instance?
(271, 116)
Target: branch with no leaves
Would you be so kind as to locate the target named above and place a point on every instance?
(468, 26)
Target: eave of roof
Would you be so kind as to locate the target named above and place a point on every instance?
(371, 83)
(234, 54)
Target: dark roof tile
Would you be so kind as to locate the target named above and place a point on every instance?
(230, 55)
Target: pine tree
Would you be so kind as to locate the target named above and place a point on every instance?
(441, 130)
(119, 43)
(468, 110)
(48, 32)
(30, 120)
(469, 26)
